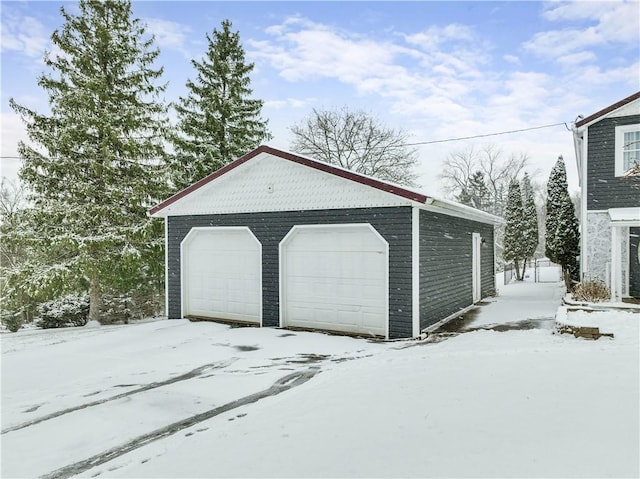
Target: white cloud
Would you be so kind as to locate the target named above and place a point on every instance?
(556, 43)
(289, 103)
(573, 59)
(23, 34)
(434, 36)
(301, 49)
(456, 47)
(616, 21)
(511, 59)
(169, 35)
(427, 73)
(593, 24)
(593, 75)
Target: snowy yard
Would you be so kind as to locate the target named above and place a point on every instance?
(198, 400)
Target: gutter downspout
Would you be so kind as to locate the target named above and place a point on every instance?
(580, 146)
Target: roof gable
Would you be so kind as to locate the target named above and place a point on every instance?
(608, 111)
(267, 179)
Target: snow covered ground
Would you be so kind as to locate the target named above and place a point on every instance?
(483, 403)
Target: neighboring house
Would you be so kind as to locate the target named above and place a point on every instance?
(607, 146)
(277, 239)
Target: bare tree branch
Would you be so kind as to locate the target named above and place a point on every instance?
(460, 167)
(358, 142)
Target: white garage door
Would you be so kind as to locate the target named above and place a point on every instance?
(335, 278)
(221, 274)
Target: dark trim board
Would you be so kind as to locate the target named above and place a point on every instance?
(394, 224)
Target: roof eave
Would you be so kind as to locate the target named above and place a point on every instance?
(462, 211)
(591, 119)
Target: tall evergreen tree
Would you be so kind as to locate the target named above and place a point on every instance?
(562, 234)
(530, 221)
(555, 194)
(96, 164)
(514, 230)
(218, 121)
(568, 241)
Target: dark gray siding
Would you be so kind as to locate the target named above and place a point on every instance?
(445, 265)
(604, 189)
(394, 224)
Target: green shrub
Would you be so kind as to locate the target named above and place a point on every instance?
(12, 320)
(67, 311)
(591, 291)
(122, 308)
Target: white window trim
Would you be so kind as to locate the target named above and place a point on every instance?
(620, 131)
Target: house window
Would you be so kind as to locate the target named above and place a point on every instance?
(627, 148)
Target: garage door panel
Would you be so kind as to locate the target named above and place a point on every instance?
(335, 278)
(222, 274)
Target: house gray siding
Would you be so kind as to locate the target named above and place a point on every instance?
(604, 189)
(446, 265)
(394, 224)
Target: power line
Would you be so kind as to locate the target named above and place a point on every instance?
(429, 142)
(485, 135)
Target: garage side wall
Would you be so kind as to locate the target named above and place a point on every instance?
(446, 265)
(394, 224)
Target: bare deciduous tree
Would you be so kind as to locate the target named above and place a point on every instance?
(358, 142)
(12, 199)
(12, 202)
(15, 252)
(461, 166)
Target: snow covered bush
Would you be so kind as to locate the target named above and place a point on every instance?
(122, 308)
(11, 320)
(70, 310)
(591, 291)
(116, 309)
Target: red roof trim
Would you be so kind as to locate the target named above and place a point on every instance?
(350, 175)
(608, 109)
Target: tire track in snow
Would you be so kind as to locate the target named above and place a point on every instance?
(183, 377)
(281, 385)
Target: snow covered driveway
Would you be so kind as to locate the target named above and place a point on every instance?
(481, 404)
(114, 384)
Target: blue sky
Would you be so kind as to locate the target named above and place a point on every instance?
(435, 69)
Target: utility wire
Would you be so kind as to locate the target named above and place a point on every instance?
(485, 135)
(429, 142)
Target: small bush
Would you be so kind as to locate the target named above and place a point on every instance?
(12, 320)
(116, 309)
(70, 310)
(123, 308)
(591, 291)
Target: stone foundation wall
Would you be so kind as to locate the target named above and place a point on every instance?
(598, 252)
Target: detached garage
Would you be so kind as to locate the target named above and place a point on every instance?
(276, 239)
